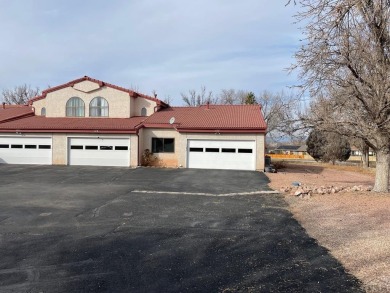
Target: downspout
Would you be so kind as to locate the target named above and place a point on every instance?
(138, 152)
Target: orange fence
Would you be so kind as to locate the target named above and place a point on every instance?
(282, 156)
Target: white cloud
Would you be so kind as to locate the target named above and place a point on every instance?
(169, 46)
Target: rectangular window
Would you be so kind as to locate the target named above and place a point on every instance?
(44, 147)
(4, 146)
(212, 150)
(245, 151)
(91, 147)
(76, 147)
(106, 148)
(30, 146)
(16, 146)
(197, 150)
(121, 148)
(163, 145)
(228, 150)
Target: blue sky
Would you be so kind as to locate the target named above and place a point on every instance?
(169, 46)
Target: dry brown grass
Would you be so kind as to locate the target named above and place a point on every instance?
(355, 227)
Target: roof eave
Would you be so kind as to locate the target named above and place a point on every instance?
(223, 130)
(102, 131)
(21, 116)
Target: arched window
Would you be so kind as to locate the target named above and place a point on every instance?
(43, 111)
(143, 111)
(75, 107)
(98, 107)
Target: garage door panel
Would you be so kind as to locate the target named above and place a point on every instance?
(99, 151)
(26, 150)
(221, 154)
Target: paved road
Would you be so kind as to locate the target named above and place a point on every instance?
(84, 229)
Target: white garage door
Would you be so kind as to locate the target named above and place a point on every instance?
(99, 151)
(221, 154)
(25, 150)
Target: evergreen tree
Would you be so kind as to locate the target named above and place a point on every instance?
(328, 147)
(250, 99)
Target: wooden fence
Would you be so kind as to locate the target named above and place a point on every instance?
(283, 156)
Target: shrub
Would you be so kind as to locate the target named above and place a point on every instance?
(328, 147)
(148, 159)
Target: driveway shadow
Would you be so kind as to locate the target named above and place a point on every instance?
(252, 245)
(86, 230)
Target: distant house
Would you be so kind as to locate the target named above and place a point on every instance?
(356, 152)
(302, 150)
(287, 149)
(289, 152)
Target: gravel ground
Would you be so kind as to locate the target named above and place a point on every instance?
(354, 226)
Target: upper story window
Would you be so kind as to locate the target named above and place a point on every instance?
(43, 111)
(98, 107)
(143, 111)
(75, 107)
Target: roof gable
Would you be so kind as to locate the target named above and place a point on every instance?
(87, 84)
(13, 112)
(288, 147)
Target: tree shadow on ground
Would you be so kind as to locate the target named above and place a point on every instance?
(199, 259)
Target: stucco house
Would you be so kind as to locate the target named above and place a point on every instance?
(91, 122)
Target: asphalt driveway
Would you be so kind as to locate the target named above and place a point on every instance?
(93, 229)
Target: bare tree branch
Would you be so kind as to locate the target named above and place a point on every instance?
(345, 66)
(19, 94)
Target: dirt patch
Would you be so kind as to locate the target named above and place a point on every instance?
(354, 226)
(320, 174)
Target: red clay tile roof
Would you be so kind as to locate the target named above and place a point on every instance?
(213, 118)
(210, 118)
(94, 125)
(101, 84)
(12, 112)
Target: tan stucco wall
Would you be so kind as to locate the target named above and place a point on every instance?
(121, 105)
(38, 105)
(179, 157)
(164, 159)
(59, 149)
(86, 86)
(141, 145)
(139, 103)
(118, 101)
(134, 151)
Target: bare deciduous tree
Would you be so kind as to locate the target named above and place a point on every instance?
(232, 97)
(167, 100)
(345, 64)
(19, 94)
(203, 97)
(279, 111)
